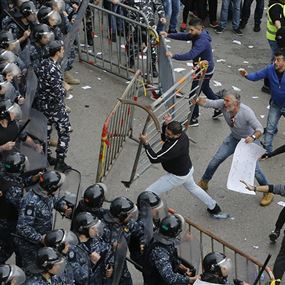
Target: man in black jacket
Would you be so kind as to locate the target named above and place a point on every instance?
(174, 158)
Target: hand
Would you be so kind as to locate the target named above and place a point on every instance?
(35, 178)
(95, 257)
(43, 239)
(168, 54)
(243, 72)
(7, 146)
(249, 139)
(193, 279)
(67, 212)
(97, 2)
(142, 246)
(21, 100)
(162, 20)
(75, 7)
(143, 139)
(26, 34)
(38, 148)
(167, 118)
(248, 186)
(65, 14)
(109, 271)
(199, 101)
(115, 1)
(163, 34)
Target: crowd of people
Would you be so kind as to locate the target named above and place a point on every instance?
(93, 250)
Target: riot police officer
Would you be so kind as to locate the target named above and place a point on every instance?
(11, 274)
(83, 258)
(162, 265)
(51, 265)
(36, 215)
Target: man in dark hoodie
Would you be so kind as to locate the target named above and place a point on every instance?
(201, 50)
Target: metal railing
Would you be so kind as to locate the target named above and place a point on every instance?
(118, 40)
(117, 128)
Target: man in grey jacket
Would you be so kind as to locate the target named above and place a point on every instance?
(243, 124)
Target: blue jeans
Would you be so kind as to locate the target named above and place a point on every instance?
(274, 114)
(225, 150)
(273, 45)
(245, 14)
(225, 12)
(171, 9)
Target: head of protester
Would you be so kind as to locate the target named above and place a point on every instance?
(50, 182)
(86, 226)
(173, 131)
(279, 60)
(232, 101)
(11, 275)
(94, 196)
(123, 210)
(195, 27)
(49, 16)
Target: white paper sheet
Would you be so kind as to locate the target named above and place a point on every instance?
(200, 282)
(243, 166)
(179, 69)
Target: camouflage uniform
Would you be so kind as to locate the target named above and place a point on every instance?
(37, 54)
(161, 264)
(35, 220)
(38, 279)
(50, 101)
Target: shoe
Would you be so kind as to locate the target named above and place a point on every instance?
(170, 31)
(61, 165)
(183, 27)
(217, 113)
(70, 129)
(256, 28)
(203, 184)
(265, 89)
(242, 25)
(274, 235)
(67, 87)
(67, 109)
(194, 122)
(154, 96)
(51, 160)
(266, 199)
(68, 78)
(237, 32)
(215, 211)
(219, 30)
(214, 24)
(53, 142)
(154, 72)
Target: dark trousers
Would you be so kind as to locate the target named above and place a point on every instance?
(279, 264)
(188, 6)
(281, 220)
(245, 12)
(207, 90)
(213, 6)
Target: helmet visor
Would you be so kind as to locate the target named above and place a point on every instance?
(132, 215)
(47, 37)
(159, 212)
(226, 266)
(8, 56)
(96, 229)
(11, 69)
(58, 267)
(17, 275)
(58, 5)
(5, 88)
(15, 112)
(70, 238)
(54, 18)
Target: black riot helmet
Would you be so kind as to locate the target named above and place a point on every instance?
(94, 195)
(46, 15)
(41, 30)
(47, 257)
(15, 163)
(27, 8)
(11, 273)
(217, 263)
(123, 209)
(84, 223)
(171, 226)
(6, 38)
(50, 181)
(148, 198)
(58, 239)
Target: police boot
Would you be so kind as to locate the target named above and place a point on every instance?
(61, 165)
(154, 71)
(51, 160)
(274, 235)
(68, 77)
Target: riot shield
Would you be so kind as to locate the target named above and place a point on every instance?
(189, 251)
(146, 218)
(37, 130)
(31, 88)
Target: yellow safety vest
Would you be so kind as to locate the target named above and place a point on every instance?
(271, 28)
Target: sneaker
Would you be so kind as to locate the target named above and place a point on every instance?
(214, 24)
(183, 27)
(274, 235)
(265, 89)
(203, 184)
(266, 199)
(256, 28)
(219, 30)
(217, 113)
(194, 123)
(215, 211)
(237, 32)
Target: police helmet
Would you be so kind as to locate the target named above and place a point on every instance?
(84, 223)
(217, 263)
(94, 195)
(4, 113)
(43, 14)
(40, 30)
(11, 273)
(51, 180)
(123, 209)
(59, 238)
(27, 8)
(6, 38)
(47, 257)
(171, 226)
(15, 163)
(148, 198)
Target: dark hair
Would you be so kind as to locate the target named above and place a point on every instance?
(195, 22)
(280, 52)
(175, 127)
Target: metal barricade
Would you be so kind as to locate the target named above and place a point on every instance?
(118, 40)
(245, 267)
(116, 128)
(181, 110)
